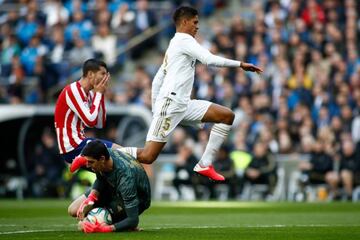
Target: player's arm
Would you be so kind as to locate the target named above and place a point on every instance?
(130, 222)
(126, 187)
(192, 48)
(89, 202)
(87, 115)
(74, 101)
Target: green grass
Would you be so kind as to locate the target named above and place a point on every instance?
(47, 219)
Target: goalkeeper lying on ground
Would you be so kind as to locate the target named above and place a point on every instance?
(122, 186)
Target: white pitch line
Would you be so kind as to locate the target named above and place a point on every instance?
(198, 227)
(250, 226)
(26, 231)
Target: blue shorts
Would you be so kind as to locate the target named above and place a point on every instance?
(68, 157)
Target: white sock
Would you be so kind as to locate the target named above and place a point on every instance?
(129, 150)
(217, 136)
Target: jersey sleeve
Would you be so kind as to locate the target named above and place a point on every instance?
(89, 116)
(192, 48)
(131, 220)
(126, 186)
(157, 82)
(101, 119)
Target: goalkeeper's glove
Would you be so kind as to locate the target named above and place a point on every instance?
(86, 205)
(89, 227)
(77, 163)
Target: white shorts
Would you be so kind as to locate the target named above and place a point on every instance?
(169, 114)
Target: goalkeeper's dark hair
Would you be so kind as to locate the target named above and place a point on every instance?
(184, 12)
(93, 65)
(95, 149)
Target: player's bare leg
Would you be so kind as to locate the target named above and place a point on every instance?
(146, 155)
(74, 206)
(150, 152)
(223, 118)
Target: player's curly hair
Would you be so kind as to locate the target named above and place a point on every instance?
(184, 12)
(95, 149)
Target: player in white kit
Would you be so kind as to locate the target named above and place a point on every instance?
(171, 90)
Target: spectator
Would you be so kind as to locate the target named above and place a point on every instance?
(178, 139)
(262, 168)
(144, 19)
(16, 87)
(27, 29)
(320, 169)
(78, 28)
(57, 54)
(312, 13)
(55, 13)
(32, 7)
(46, 178)
(241, 158)
(11, 49)
(348, 165)
(184, 164)
(105, 43)
(122, 19)
(75, 5)
(80, 53)
(30, 54)
(225, 166)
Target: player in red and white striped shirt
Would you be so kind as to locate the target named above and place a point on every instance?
(81, 104)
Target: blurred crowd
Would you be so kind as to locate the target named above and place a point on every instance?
(307, 101)
(43, 43)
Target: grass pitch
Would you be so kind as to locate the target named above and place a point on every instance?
(47, 219)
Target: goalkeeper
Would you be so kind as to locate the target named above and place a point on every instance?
(122, 187)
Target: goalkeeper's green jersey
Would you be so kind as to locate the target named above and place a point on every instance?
(126, 186)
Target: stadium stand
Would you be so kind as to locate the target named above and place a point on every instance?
(309, 92)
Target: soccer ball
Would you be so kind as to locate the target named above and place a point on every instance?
(99, 215)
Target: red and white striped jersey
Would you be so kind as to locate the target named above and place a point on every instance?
(73, 111)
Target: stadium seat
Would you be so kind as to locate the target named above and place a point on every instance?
(257, 191)
(164, 188)
(356, 194)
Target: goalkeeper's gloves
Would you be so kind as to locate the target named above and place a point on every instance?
(89, 227)
(86, 205)
(77, 163)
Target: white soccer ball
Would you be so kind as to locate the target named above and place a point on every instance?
(99, 215)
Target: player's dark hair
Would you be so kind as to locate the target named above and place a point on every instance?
(93, 65)
(184, 12)
(95, 149)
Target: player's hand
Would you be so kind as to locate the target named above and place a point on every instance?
(103, 84)
(250, 67)
(86, 206)
(88, 227)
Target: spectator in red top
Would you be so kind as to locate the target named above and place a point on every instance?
(313, 13)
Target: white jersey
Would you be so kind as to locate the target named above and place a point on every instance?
(175, 78)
